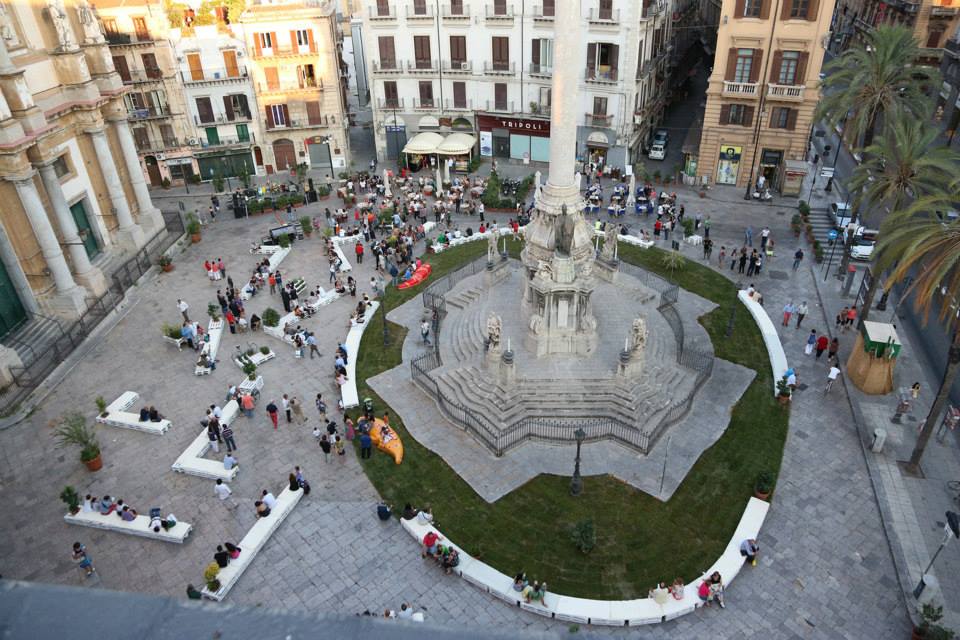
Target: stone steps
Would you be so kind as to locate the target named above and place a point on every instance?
(465, 298)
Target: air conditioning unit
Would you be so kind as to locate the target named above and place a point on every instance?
(637, 118)
(216, 75)
(464, 66)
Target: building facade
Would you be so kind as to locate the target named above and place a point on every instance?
(485, 68)
(293, 58)
(70, 181)
(763, 92)
(933, 22)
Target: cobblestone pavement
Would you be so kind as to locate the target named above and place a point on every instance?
(826, 569)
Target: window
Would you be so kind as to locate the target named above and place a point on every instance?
(421, 52)
(499, 7)
(150, 66)
(788, 67)
(459, 95)
(541, 55)
(204, 110)
(501, 53)
(751, 8)
(420, 7)
(456, 7)
(390, 96)
(599, 106)
(458, 50)
(783, 118)
(606, 10)
(235, 107)
(265, 40)
(243, 133)
(388, 55)
(110, 26)
(383, 8)
(277, 115)
(141, 138)
(548, 7)
(744, 65)
(799, 8)
(313, 113)
(303, 37)
(500, 96)
(61, 166)
(426, 93)
(140, 28)
(546, 99)
(120, 64)
(230, 62)
(272, 77)
(306, 76)
(602, 61)
(740, 114)
(933, 39)
(213, 136)
(196, 66)
(166, 134)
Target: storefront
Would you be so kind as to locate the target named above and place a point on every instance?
(225, 164)
(770, 165)
(516, 138)
(458, 149)
(728, 165)
(420, 152)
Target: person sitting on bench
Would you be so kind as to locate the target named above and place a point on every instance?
(154, 414)
(144, 414)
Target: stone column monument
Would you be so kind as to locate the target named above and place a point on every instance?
(558, 254)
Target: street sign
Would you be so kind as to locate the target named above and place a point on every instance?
(832, 235)
(827, 172)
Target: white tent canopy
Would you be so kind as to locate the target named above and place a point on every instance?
(423, 143)
(456, 144)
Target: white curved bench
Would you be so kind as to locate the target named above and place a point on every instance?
(139, 526)
(277, 257)
(215, 331)
(117, 416)
(778, 359)
(348, 392)
(192, 462)
(344, 263)
(616, 613)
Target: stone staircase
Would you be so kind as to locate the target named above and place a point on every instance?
(822, 225)
(33, 339)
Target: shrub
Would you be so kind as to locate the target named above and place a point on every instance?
(764, 483)
(71, 498)
(210, 576)
(687, 227)
(250, 369)
(254, 206)
(74, 431)
(213, 311)
(193, 224)
(804, 208)
(264, 350)
(270, 317)
(195, 178)
(171, 331)
(323, 190)
(250, 352)
(165, 183)
(217, 181)
(283, 241)
(584, 536)
(306, 224)
(817, 251)
(473, 165)
(102, 404)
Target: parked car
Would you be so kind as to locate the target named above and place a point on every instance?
(841, 213)
(864, 241)
(661, 136)
(658, 151)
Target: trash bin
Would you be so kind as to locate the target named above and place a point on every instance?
(879, 437)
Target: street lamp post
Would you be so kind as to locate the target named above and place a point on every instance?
(950, 530)
(576, 483)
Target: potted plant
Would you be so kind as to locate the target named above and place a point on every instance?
(166, 263)
(250, 369)
(763, 486)
(71, 498)
(656, 175)
(307, 225)
(217, 182)
(102, 405)
(165, 183)
(284, 241)
(270, 317)
(250, 352)
(795, 225)
(929, 628)
(172, 331)
(213, 311)
(323, 191)
(74, 431)
(264, 350)
(210, 577)
(783, 391)
(193, 227)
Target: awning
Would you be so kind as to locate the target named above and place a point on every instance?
(426, 142)
(456, 144)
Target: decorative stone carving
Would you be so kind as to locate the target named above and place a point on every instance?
(8, 30)
(90, 21)
(536, 324)
(609, 250)
(638, 336)
(58, 16)
(492, 252)
(494, 327)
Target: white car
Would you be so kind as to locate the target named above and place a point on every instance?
(864, 241)
(658, 152)
(840, 213)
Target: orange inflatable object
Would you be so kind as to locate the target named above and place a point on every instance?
(421, 274)
(392, 447)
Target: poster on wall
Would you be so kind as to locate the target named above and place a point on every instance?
(486, 143)
(729, 164)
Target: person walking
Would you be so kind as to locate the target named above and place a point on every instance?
(797, 257)
(213, 434)
(788, 310)
(286, 407)
(227, 433)
(274, 414)
(312, 343)
(83, 559)
(748, 236)
(822, 344)
(722, 256)
(811, 342)
(366, 445)
(851, 318)
(764, 237)
(832, 351)
(297, 407)
(425, 332)
(743, 259)
(222, 267)
(222, 490)
(247, 404)
(358, 249)
(706, 228)
(341, 450)
(841, 319)
(831, 378)
(272, 281)
(321, 407)
(182, 308)
(325, 447)
(801, 312)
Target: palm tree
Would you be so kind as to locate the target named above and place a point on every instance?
(900, 165)
(873, 79)
(929, 250)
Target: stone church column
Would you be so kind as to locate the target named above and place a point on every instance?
(84, 272)
(149, 214)
(69, 298)
(130, 236)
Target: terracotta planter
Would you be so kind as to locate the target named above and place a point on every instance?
(74, 510)
(783, 399)
(761, 495)
(167, 268)
(194, 238)
(96, 464)
(703, 194)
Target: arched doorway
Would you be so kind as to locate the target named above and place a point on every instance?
(284, 154)
(153, 170)
(258, 156)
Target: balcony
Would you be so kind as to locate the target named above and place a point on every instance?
(541, 70)
(505, 107)
(542, 110)
(149, 113)
(451, 105)
(227, 141)
(597, 119)
(426, 105)
(786, 92)
(378, 14)
(458, 66)
(307, 84)
(604, 17)
(325, 121)
(149, 145)
(654, 9)
(450, 16)
(422, 66)
(221, 118)
(121, 39)
(499, 68)
(740, 89)
(390, 105)
(907, 6)
(944, 11)
(493, 15)
(289, 51)
(387, 66)
(540, 16)
(426, 14)
(197, 76)
(138, 76)
(601, 76)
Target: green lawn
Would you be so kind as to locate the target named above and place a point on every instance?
(639, 539)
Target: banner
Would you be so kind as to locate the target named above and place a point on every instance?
(486, 143)
(729, 164)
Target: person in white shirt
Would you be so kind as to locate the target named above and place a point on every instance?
(268, 499)
(222, 490)
(216, 411)
(406, 612)
(88, 503)
(182, 308)
(660, 593)
(229, 462)
(831, 377)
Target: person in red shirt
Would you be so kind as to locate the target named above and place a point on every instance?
(359, 251)
(232, 321)
(656, 228)
(851, 318)
(430, 544)
(822, 344)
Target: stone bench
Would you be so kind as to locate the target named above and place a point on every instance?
(177, 342)
(257, 358)
(324, 298)
(348, 392)
(139, 526)
(615, 613)
(344, 263)
(778, 359)
(192, 462)
(266, 249)
(117, 416)
(255, 539)
(210, 347)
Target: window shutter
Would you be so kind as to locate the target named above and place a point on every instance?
(244, 106)
(747, 116)
(460, 94)
(775, 66)
(311, 41)
(812, 10)
(738, 9)
(228, 107)
(592, 56)
(792, 119)
(756, 64)
(731, 65)
(614, 59)
(764, 9)
(256, 45)
(535, 52)
(273, 40)
(294, 45)
(270, 123)
(785, 9)
(725, 114)
(773, 117)
(286, 114)
(500, 93)
(802, 68)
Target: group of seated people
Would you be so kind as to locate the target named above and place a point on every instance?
(529, 591)
(445, 555)
(150, 414)
(266, 504)
(661, 593)
(225, 553)
(107, 505)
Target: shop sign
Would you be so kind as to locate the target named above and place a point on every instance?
(521, 126)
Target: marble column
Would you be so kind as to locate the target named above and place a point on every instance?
(11, 262)
(130, 236)
(149, 214)
(68, 298)
(84, 272)
(567, 63)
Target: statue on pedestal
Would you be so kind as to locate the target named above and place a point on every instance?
(638, 334)
(7, 31)
(494, 326)
(58, 15)
(90, 22)
(610, 235)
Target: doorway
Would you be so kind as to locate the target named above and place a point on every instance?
(12, 313)
(83, 227)
(285, 154)
(153, 170)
